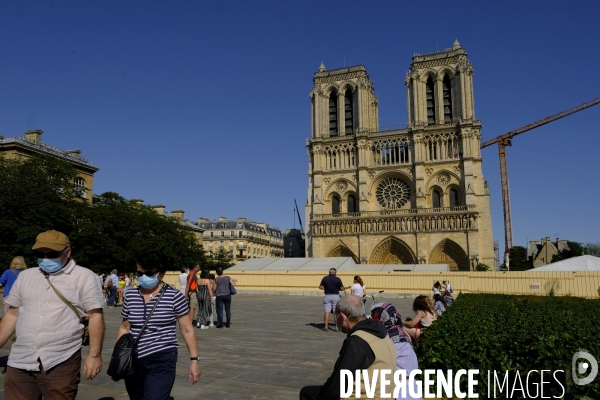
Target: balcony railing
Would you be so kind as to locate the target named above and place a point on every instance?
(408, 211)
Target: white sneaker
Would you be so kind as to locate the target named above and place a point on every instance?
(198, 325)
(203, 327)
(212, 325)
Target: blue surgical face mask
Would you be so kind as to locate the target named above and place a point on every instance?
(148, 282)
(50, 265)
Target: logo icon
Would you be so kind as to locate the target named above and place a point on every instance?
(582, 367)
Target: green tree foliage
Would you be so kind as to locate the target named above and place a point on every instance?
(482, 267)
(114, 229)
(510, 333)
(517, 255)
(220, 258)
(593, 249)
(574, 250)
(38, 194)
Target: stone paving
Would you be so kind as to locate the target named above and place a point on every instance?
(274, 347)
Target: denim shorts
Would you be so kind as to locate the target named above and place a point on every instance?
(329, 301)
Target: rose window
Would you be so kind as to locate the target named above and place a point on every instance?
(393, 193)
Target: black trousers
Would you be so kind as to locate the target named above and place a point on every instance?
(310, 393)
(154, 376)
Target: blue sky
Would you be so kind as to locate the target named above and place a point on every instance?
(203, 105)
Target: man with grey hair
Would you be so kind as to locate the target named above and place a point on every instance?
(366, 347)
(332, 285)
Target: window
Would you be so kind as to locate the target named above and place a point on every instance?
(222, 234)
(435, 199)
(240, 234)
(352, 204)
(212, 234)
(447, 99)
(222, 243)
(430, 97)
(348, 112)
(333, 131)
(79, 181)
(454, 198)
(335, 205)
(232, 234)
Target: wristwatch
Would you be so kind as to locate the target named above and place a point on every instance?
(197, 358)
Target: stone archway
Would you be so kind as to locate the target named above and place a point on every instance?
(392, 251)
(343, 251)
(449, 252)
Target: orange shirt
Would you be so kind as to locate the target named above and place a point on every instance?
(191, 282)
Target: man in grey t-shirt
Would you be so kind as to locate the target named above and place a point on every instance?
(331, 285)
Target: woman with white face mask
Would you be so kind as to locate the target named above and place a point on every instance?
(157, 346)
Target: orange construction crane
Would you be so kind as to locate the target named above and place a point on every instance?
(506, 140)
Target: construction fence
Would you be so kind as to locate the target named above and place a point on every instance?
(408, 284)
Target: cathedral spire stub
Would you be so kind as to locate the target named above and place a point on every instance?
(456, 45)
(322, 67)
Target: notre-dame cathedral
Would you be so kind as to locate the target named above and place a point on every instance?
(405, 196)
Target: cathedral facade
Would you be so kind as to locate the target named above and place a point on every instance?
(405, 196)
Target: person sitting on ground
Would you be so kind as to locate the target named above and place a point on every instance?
(406, 359)
(367, 346)
(437, 288)
(424, 317)
(439, 306)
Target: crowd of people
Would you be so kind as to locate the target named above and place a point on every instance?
(377, 338)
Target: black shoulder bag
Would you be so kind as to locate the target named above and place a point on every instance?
(124, 355)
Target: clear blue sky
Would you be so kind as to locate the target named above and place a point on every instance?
(203, 106)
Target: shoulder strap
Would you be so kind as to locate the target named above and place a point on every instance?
(14, 272)
(60, 296)
(162, 291)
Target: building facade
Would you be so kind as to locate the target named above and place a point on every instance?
(541, 253)
(31, 145)
(404, 196)
(241, 238)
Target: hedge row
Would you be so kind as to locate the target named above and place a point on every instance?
(510, 333)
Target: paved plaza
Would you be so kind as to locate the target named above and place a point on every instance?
(274, 347)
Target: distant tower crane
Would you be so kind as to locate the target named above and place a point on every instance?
(506, 140)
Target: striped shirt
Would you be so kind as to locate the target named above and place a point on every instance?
(160, 333)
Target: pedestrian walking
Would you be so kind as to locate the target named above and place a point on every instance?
(223, 293)
(204, 299)
(191, 291)
(182, 278)
(331, 285)
(111, 283)
(156, 356)
(10, 276)
(45, 361)
(358, 289)
(213, 300)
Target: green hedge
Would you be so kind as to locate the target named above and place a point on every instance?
(501, 332)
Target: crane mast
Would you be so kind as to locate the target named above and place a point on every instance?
(504, 141)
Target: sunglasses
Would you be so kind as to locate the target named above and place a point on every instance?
(149, 274)
(49, 254)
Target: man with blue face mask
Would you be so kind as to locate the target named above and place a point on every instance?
(46, 358)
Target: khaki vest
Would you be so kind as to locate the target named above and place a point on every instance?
(385, 358)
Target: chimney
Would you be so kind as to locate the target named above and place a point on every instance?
(137, 201)
(73, 153)
(222, 218)
(34, 136)
(201, 220)
(159, 208)
(241, 219)
(177, 214)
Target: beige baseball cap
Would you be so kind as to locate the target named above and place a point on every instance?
(54, 240)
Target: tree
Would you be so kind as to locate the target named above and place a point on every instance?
(592, 249)
(573, 249)
(220, 258)
(482, 267)
(38, 194)
(114, 229)
(518, 254)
